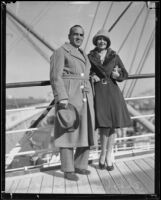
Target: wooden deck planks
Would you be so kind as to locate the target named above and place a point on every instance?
(71, 186)
(83, 185)
(23, 185)
(35, 183)
(149, 161)
(137, 186)
(121, 182)
(47, 183)
(142, 177)
(59, 182)
(95, 182)
(8, 184)
(146, 168)
(108, 183)
(129, 177)
(13, 186)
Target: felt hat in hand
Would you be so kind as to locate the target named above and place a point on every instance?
(68, 117)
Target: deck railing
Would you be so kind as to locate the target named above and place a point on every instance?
(121, 146)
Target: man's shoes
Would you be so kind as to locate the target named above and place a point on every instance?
(110, 168)
(71, 176)
(82, 171)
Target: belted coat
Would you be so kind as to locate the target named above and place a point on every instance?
(67, 61)
(110, 107)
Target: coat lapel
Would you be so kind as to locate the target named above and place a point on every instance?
(74, 52)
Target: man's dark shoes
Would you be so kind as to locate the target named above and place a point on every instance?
(82, 171)
(71, 176)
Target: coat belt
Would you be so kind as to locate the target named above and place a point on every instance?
(85, 89)
(75, 76)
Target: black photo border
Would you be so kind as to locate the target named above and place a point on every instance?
(154, 196)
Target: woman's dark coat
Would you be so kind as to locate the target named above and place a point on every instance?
(110, 107)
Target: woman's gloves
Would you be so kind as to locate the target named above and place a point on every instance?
(116, 72)
(95, 78)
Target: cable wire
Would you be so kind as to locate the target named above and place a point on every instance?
(147, 49)
(137, 46)
(92, 24)
(120, 17)
(108, 13)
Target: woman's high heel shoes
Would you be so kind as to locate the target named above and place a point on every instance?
(101, 166)
(109, 167)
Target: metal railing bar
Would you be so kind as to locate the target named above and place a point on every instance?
(133, 151)
(47, 82)
(136, 98)
(142, 116)
(117, 152)
(21, 130)
(136, 136)
(51, 149)
(35, 129)
(28, 108)
(27, 84)
(40, 107)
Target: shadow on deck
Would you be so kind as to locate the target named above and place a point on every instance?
(134, 175)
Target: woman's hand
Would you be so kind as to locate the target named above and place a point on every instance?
(95, 78)
(115, 73)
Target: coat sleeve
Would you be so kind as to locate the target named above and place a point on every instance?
(57, 61)
(123, 72)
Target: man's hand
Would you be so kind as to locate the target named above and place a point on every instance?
(63, 102)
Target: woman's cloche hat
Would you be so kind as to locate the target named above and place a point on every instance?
(105, 34)
(68, 117)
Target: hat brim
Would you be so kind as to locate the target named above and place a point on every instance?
(66, 125)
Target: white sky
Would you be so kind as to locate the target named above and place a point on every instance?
(52, 20)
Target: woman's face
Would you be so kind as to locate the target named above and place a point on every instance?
(101, 43)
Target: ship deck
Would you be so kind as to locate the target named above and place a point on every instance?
(133, 175)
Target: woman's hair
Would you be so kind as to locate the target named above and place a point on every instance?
(107, 40)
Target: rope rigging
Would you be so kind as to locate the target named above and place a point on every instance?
(108, 13)
(98, 5)
(34, 22)
(30, 30)
(120, 16)
(134, 23)
(30, 41)
(141, 64)
(137, 46)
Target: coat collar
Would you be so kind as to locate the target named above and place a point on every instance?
(74, 52)
(96, 58)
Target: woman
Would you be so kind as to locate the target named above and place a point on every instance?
(110, 107)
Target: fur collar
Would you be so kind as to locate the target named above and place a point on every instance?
(93, 55)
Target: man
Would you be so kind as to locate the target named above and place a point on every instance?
(69, 77)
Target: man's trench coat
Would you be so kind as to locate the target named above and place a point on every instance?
(68, 61)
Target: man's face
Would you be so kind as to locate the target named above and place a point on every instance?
(76, 37)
